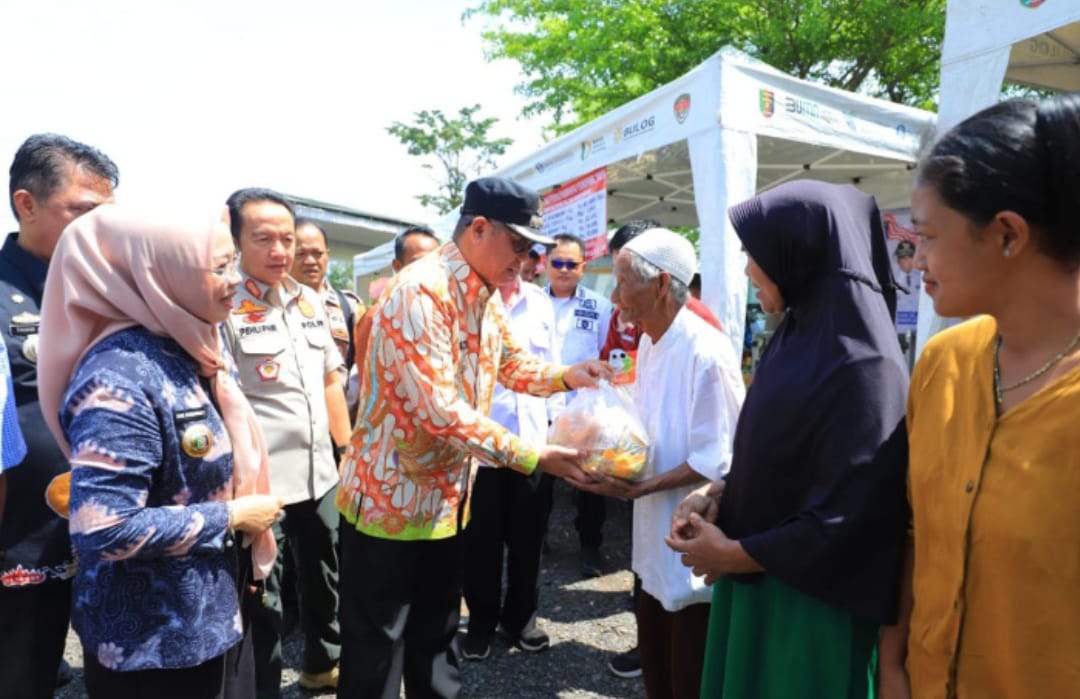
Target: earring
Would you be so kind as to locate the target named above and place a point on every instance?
(1007, 252)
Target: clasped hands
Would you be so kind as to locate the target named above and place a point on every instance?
(705, 548)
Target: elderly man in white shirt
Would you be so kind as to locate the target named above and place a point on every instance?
(507, 506)
(689, 390)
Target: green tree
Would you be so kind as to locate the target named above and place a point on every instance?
(340, 275)
(461, 147)
(583, 58)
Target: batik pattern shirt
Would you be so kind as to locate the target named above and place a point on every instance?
(151, 467)
(439, 342)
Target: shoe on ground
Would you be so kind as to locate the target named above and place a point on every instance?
(320, 680)
(592, 564)
(531, 639)
(475, 647)
(626, 665)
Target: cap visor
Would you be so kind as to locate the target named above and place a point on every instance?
(532, 234)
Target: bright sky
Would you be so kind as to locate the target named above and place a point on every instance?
(195, 98)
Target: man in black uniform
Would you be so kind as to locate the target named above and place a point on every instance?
(53, 180)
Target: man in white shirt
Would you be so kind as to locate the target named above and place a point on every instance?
(689, 390)
(582, 317)
(507, 507)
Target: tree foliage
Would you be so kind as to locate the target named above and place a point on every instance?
(583, 58)
(340, 275)
(461, 147)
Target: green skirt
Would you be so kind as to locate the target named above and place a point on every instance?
(770, 641)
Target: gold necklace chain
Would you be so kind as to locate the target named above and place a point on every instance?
(1000, 391)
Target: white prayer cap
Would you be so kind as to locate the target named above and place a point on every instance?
(667, 250)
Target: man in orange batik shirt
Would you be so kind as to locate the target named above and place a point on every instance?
(439, 341)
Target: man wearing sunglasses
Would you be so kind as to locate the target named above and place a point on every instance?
(582, 317)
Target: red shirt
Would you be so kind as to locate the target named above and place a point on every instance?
(628, 338)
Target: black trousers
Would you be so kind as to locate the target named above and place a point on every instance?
(33, 630)
(400, 605)
(672, 647)
(205, 681)
(506, 512)
(591, 512)
(311, 530)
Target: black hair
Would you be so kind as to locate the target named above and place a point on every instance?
(1019, 156)
(628, 231)
(566, 238)
(399, 241)
(242, 197)
(695, 282)
(311, 222)
(41, 163)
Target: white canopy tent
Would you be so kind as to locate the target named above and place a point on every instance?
(1029, 42)
(731, 127)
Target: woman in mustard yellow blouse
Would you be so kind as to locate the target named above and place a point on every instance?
(994, 415)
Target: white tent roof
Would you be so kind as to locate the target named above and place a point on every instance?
(828, 134)
(731, 127)
(1030, 42)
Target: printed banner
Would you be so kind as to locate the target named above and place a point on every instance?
(902, 241)
(579, 208)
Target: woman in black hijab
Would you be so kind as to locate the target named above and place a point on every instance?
(807, 542)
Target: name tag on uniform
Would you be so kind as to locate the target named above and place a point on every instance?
(585, 324)
(249, 330)
(190, 415)
(24, 324)
(312, 324)
(579, 313)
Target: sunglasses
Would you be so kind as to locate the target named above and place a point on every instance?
(565, 264)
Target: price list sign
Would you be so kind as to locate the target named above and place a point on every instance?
(579, 208)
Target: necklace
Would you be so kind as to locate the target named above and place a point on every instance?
(1000, 391)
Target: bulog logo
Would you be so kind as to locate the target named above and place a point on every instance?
(639, 128)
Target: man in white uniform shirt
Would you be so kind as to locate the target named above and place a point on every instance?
(689, 390)
(582, 317)
(507, 506)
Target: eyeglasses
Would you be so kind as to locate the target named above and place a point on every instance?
(518, 243)
(565, 264)
(229, 267)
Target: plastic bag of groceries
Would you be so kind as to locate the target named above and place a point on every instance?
(604, 423)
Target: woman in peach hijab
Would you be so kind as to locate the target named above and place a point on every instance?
(168, 512)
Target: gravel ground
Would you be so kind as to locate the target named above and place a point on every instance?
(588, 619)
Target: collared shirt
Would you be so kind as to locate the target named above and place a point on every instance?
(996, 522)
(34, 543)
(439, 342)
(689, 390)
(531, 320)
(12, 445)
(283, 350)
(155, 586)
(581, 322)
(338, 318)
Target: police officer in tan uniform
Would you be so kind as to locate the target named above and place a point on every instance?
(289, 368)
(342, 306)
